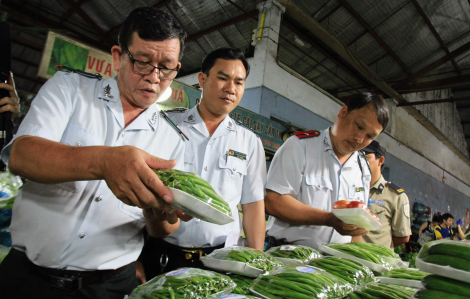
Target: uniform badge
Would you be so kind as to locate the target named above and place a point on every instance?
(406, 210)
(379, 202)
(190, 118)
(230, 124)
(238, 155)
(107, 91)
(381, 187)
(325, 142)
(154, 118)
(360, 189)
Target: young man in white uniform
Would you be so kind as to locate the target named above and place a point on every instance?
(87, 147)
(224, 153)
(313, 170)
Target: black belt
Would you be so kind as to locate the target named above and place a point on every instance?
(190, 254)
(69, 279)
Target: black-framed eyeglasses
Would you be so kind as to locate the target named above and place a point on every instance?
(145, 68)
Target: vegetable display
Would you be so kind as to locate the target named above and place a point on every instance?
(371, 254)
(195, 186)
(347, 269)
(447, 285)
(382, 291)
(406, 274)
(431, 294)
(243, 284)
(296, 252)
(184, 283)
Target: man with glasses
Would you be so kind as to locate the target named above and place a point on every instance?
(87, 147)
(224, 153)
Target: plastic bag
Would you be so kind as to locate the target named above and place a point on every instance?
(382, 291)
(3, 252)
(420, 219)
(294, 253)
(243, 284)
(358, 216)
(233, 296)
(184, 283)
(241, 260)
(419, 208)
(449, 259)
(353, 272)
(9, 187)
(300, 282)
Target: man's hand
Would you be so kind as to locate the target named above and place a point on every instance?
(343, 228)
(11, 103)
(128, 172)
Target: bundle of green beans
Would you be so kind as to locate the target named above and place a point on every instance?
(243, 284)
(249, 256)
(352, 249)
(377, 249)
(184, 283)
(296, 252)
(234, 296)
(193, 185)
(301, 283)
(406, 274)
(383, 291)
(347, 269)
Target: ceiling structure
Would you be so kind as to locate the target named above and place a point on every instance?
(343, 46)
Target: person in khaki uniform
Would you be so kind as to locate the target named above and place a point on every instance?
(388, 202)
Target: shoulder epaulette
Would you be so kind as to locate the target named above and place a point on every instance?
(85, 74)
(395, 187)
(179, 109)
(246, 127)
(165, 116)
(307, 134)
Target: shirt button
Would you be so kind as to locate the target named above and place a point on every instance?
(198, 220)
(234, 169)
(99, 198)
(123, 134)
(205, 168)
(210, 142)
(77, 144)
(82, 235)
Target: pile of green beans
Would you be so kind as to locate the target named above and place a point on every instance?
(243, 284)
(288, 282)
(383, 291)
(253, 257)
(193, 284)
(347, 269)
(297, 252)
(376, 249)
(193, 185)
(361, 253)
(406, 274)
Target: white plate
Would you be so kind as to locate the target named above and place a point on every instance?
(373, 266)
(231, 266)
(359, 217)
(192, 206)
(401, 282)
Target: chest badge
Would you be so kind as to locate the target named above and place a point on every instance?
(238, 155)
(406, 210)
(190, 118)
(154, 118)
(325, 142)
(107, 91)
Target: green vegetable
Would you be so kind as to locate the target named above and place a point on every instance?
(410, 257)
(243, 284)
(296, 252)
(406, 274)
(252, 257)
(347, 269)
(444, 284)
(359, 252)
(373, 291)
(195, 186)
(376, 249)
(431, 294)
(443, 260)
(455, 250)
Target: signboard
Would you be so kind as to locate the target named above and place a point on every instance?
(61, 50)
(174, 97)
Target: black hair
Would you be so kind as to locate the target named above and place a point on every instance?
(226, 54)
(151, 24)
(446, 216)
(436, 218)
(378, 103)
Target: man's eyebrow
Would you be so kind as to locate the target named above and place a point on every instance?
(227, 75)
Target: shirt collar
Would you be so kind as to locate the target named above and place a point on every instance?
(195, 120)
(326, 139)
(109, 90)
(380, 184)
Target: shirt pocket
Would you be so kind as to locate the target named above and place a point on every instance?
(319, 191)
(189, 159)
(356, 193)
(232, 170)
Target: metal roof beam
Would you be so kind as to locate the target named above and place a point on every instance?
(26, 43)
(70, 11)
(433, 30)
(42, 21)
(437, 84)
(433, 66)
(375, 35)
(76, 7)
(449, 100)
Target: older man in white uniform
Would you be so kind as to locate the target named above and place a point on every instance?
(227, 155)
(87, 147)
(313, 170)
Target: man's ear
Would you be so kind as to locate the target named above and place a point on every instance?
(116, 52)
(201, 77)
(381, 160)
(343, 112)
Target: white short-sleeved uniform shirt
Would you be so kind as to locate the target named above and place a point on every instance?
(81, 225)
(234, 179)
(308, 170)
